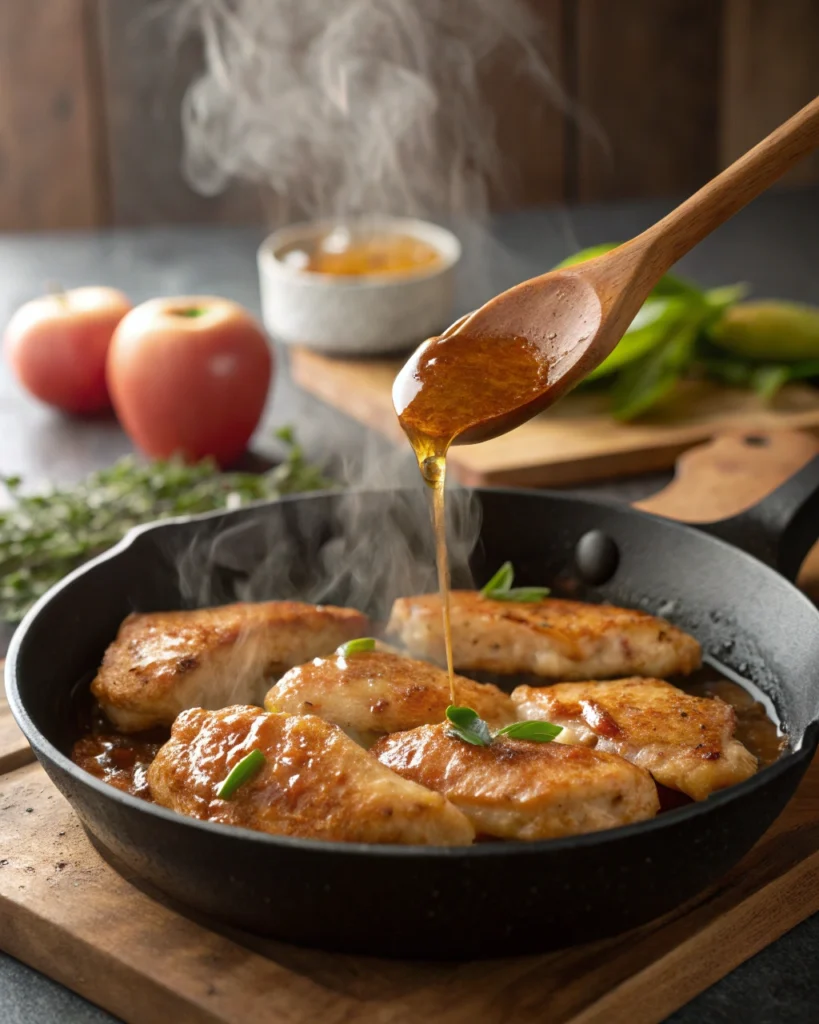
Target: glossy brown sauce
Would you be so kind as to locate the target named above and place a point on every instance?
(755, 729)
(120, 760)
(345, 254)
(448, 385)
(451, 383)
(434, 472)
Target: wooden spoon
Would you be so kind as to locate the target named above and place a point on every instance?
(577, 315)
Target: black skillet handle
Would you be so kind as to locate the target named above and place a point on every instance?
(772, 478)
(782, 528)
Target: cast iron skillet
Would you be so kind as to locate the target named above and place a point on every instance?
(494, 898)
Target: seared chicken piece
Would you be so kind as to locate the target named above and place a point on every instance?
(373, 692)
(517, 789)
(315, 782)
(164, 662)
(685, 742)
(552, 638)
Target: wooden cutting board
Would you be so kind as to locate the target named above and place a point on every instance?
(66, 911)
(573, 443)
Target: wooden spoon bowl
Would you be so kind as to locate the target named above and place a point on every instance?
(473, 382)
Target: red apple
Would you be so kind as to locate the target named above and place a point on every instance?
(57, 346)
(189, 376)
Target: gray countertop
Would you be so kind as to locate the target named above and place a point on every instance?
(773, 245)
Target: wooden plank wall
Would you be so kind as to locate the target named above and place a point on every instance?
(651, 81)
(145, 77)
(51, 171)
(767, 72)
(660, 94)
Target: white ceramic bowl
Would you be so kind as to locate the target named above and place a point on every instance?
(366, 315)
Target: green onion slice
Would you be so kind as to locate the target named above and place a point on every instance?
(524, 595)
(500, 588)
(241, 772)
(364, 643)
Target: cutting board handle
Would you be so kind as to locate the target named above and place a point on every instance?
(760, 491)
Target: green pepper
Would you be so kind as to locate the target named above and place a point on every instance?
(781, 332)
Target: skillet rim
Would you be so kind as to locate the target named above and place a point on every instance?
(41, 744)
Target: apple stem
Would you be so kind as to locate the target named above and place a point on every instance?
(190, 312)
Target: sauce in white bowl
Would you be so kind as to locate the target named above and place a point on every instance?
(360, 287)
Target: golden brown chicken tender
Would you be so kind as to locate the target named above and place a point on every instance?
(685, 742)
(315, 783)
(164, 662)
(516, 789)
(374, 692)
(552, 638)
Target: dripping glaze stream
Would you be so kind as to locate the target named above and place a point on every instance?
(450, 384)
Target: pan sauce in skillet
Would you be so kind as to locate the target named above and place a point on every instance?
(756, 729)
(119, 760)
(122, 760)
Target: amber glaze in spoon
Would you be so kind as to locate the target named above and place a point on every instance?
(497, 367)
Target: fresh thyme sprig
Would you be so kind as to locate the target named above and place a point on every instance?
(44, 536)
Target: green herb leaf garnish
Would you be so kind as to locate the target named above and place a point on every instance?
(500, 588)
(466, 725)
(501, 581)
(537, 732)
(364, 643)
(241, 772)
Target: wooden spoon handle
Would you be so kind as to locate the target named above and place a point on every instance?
(723, 196)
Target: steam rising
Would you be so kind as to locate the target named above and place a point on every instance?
(344, 107)
(361, 547)
(358, 549)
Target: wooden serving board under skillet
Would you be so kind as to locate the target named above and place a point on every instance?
(66, 911)
(575, 442)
